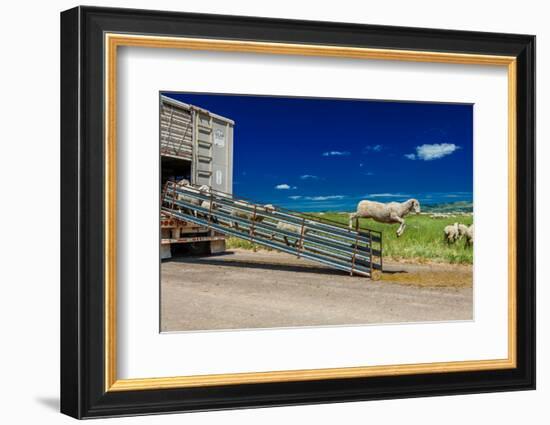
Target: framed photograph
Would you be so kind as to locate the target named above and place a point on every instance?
(261, 212)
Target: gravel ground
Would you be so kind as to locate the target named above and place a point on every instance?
(244, 289)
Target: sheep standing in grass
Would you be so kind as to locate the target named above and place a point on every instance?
(469, 236)
(293, 228)
(451, 233)
(462, 230)
(392, 212)
(249, 215)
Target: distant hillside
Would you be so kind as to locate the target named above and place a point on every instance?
(460, 206)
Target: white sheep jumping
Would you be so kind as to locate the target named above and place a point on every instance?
(451, 233)
(392, 212)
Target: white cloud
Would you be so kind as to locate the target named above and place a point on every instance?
(372, 148)
(283, 186)
(435, 151)
(309, 177)
(386, 195)
(317, 198)
(336, 153)
(323, 198)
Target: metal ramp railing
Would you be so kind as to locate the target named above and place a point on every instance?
(357, 251)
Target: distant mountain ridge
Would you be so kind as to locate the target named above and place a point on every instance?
(459, 206)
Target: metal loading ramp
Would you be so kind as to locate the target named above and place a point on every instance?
(358, 251)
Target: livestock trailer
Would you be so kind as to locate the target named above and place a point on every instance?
(196, 145)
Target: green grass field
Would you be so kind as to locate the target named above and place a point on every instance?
(422, 241)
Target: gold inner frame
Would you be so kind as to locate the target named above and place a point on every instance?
(113, 41)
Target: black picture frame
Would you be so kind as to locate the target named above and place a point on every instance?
(83, 392)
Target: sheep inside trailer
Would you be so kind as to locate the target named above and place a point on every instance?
(174, 169)
(195, 145)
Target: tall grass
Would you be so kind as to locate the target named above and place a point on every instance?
(233, 242)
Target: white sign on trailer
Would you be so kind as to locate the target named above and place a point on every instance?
(219, 138)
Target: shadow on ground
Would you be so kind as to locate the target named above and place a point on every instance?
(217, 261)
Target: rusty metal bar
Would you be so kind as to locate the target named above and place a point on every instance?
(355, 249)
(370, 247)
(252, 226)
(210, 207)
(301, 240)
(381, 253)
(174, 194)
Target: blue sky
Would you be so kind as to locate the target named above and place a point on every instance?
(317, 154)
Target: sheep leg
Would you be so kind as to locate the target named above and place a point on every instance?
(286, 241)
(352, 216)
(401, 229)
(402, 226)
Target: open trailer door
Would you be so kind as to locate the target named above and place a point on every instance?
(196, 145)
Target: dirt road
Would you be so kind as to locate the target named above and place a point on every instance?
(243, 289)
